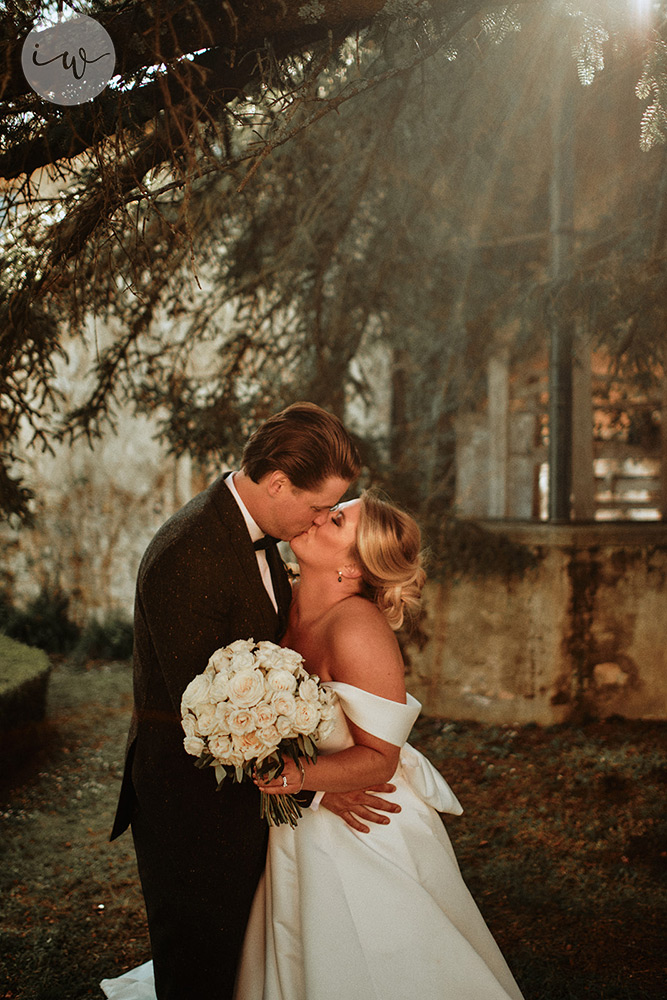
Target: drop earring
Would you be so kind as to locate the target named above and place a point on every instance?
(340, 576)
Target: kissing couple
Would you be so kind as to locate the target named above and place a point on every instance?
(363, 898)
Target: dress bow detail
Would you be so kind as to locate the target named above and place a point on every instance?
(427, 782)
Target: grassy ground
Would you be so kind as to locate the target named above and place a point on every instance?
(563, 843)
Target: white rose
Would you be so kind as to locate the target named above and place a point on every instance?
(206, 720)
(309, 691)
(272, 656)
(235, 756)
(243, 660)
(328, 710)
(290, 659)
(189, 724)
(281, 680)
(240, 646)
(284, 703)
(219, 687)
(222, 711)
(193, 745)
(246, 688)
(306, 717)
(269, 660)
(197, 692)
(285, 727)
(265, 714)
(269, 737)
(241, 654)
(324, 729)
(268, 649)
(328, 699)
(220, 745)
(248, 745)
(240, 721)
(219, 661)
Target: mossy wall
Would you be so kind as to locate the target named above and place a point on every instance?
(581, 633)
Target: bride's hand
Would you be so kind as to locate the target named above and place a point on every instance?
(288, 783)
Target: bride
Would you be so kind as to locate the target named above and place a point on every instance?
(342, 911)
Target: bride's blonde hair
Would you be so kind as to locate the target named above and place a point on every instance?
(387, 550)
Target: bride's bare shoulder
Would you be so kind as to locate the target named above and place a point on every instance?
(363, 649)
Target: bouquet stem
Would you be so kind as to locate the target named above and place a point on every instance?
(279, 809)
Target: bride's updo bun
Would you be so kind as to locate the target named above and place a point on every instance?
(388, 552)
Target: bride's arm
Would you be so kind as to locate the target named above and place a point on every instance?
(363, 652)
(369, 762)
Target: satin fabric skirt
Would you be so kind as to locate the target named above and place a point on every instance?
(381, 915)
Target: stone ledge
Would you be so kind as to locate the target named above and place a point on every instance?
(586, 534)
(581, 634)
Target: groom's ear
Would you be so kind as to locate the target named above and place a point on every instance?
(276, 482)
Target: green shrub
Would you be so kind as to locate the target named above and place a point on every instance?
(45, 622)
(110, 639)
(7, 613)
(24, 677)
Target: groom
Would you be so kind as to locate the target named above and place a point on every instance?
(202, 584)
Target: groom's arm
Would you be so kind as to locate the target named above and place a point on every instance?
(353, 806)
(356, 807)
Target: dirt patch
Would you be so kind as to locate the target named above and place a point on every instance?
(562, 841)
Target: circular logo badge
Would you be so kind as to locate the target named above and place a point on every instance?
(70, 62)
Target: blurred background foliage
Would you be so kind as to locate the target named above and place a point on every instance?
(46, 623)
(386, 184)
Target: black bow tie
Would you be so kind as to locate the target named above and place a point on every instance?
(265, 542)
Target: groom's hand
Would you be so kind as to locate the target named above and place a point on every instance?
(353, 807)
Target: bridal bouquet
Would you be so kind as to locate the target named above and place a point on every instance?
(253, 705)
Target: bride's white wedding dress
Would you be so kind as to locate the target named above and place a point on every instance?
(383, 915)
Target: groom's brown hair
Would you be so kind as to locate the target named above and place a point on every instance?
(305, 442)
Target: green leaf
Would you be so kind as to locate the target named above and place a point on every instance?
(269, 766)
(204, 759)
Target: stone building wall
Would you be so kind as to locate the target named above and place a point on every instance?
(96, 508)
(95, 513)
(583, 633)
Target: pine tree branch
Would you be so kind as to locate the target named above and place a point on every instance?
(148, 34)
(158, 34)
(206, 81)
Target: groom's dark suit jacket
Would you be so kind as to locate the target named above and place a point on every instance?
(200, 852)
